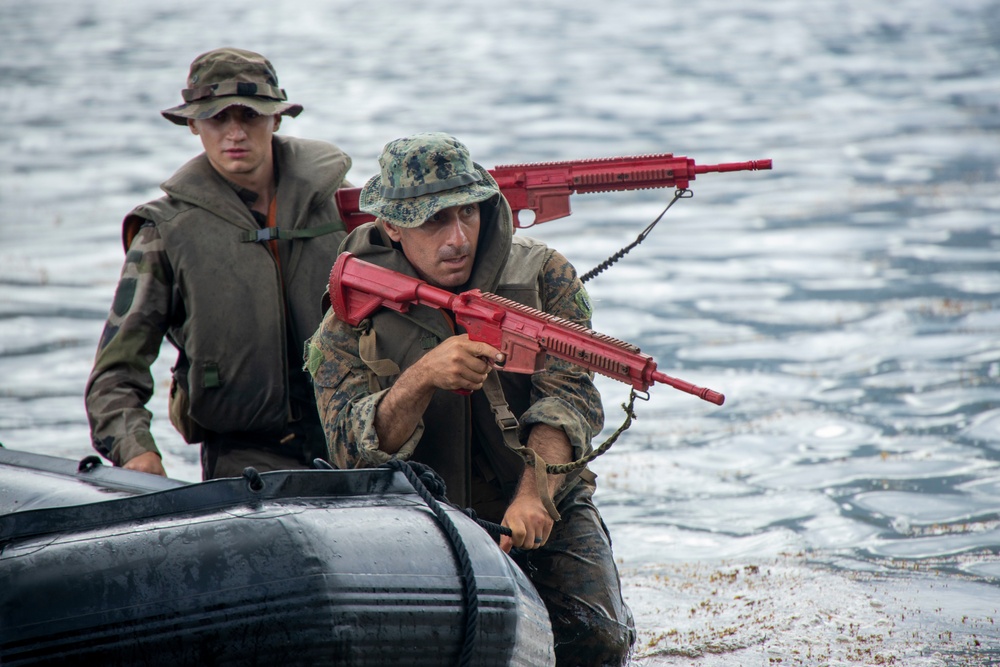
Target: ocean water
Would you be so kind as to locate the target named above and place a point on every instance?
(843, 506)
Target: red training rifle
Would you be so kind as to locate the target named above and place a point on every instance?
(544, 187)
(523, 334)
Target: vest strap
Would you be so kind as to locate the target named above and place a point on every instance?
(367, 350)
(276, 233)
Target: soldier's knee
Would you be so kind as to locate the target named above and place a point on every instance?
(584, 638)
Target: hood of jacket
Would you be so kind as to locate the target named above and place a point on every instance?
(309, 172)
(496, 231)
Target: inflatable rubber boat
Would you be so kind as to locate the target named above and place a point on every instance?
(102, 565)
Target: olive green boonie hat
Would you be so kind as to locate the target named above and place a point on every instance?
(227, 77)
(421, 175)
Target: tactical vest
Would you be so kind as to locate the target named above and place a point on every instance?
(232, 310)
(463, 426)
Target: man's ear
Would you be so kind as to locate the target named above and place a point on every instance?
(194, 129)
(277, 122)
(392, 231)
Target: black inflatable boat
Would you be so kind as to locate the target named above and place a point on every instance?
(100, 565)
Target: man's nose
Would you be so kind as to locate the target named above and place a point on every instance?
(456, 231)
(236, 129)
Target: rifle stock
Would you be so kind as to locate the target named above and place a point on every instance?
(525, 335)
(544, 188)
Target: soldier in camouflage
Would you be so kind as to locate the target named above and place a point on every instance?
(230, 266)
(409, 386)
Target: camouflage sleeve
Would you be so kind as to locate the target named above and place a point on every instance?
(120, 383)
(563, 394)
(345, 402)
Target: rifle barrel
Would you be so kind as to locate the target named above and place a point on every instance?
(750, 165)
(701, 392)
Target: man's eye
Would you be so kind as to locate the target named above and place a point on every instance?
(250, 114)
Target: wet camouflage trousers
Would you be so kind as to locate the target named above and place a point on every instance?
(575, 574)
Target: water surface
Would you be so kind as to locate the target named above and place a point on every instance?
(843, 506)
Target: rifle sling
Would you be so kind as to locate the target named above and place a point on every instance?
(508, 428)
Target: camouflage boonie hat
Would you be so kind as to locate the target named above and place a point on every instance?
(421, 175)
(227, 77)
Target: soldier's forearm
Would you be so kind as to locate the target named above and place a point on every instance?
(554, 447)
(401, 409)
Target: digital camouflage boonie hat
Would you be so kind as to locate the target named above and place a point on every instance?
(226, 77)
(421, 175)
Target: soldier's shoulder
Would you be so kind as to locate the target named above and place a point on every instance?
(160, 210)
(559, 271)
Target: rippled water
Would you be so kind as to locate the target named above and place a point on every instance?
(843, 506)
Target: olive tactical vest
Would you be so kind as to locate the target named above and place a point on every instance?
(229, 315)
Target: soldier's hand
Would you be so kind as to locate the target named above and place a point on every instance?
(528, 521)
(460, 364)
(146, 462)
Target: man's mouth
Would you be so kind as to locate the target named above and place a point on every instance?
(454, 256)
(455, 261)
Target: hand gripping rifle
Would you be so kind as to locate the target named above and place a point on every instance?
(523, 334)
(544, 187)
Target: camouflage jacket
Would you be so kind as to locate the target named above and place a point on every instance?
(194, 273)
(348, 392)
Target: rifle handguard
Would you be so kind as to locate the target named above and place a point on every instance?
(544, 188)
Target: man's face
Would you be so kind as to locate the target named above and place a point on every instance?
(237, 141)
(443, 249)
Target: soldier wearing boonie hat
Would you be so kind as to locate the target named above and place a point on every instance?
(225, 77)
(242, 242)
(421, 175)
(385, 388)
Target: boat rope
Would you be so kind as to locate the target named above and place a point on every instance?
(681, 193)
(89, 463)
(254, 481)
(423, 482)
(495, 530)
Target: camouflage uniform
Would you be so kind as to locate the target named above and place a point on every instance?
(196, 273)
(574, 571)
